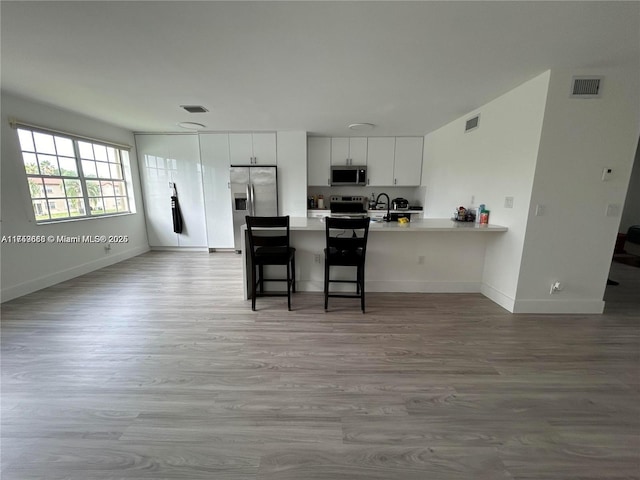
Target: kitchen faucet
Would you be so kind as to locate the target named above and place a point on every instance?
(387, 217)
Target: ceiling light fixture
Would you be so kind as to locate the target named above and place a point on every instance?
(191, 125)
(361, 127)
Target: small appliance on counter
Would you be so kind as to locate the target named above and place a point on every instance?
(400, 204)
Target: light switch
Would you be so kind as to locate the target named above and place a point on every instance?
(606, 173)
(508, 202)
(613, 210)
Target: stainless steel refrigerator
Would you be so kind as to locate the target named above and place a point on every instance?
(254, 191)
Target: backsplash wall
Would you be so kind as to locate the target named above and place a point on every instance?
(415, 195)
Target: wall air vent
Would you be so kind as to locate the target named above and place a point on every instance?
(586, 87)
(194, 108)
(472, 123)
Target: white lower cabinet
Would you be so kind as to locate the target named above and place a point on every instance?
(318, 213)
(176, 159)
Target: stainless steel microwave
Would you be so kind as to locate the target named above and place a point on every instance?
(348, 175)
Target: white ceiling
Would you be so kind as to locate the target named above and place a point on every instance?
(408, 67)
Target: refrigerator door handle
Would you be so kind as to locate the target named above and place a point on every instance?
(253, 196)
(249, 201)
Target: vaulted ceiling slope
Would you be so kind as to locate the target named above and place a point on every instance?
(407, 67)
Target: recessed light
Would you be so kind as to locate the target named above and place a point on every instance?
(361, 127)
(191, 125)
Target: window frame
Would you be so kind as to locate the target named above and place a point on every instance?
(120, 158)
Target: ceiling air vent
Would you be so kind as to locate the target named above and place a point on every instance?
(586, 87)
(194, 108)
(472, 123)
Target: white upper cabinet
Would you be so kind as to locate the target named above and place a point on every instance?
(252, 148)
(390, 160)
(264, 148)
(349, 151)
(318, 161)
(380, 161)
(340, 151)
(358, 150)
(407, 169)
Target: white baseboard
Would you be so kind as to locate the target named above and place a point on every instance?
(57, 277)
(505, 301)
(180, 249)
(559, 306)
(542, 306)
(394, 287)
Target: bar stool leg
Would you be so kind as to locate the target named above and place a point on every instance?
(326, 284)
(261, 272)
(288, 286)
(293, 274)
(361, 283)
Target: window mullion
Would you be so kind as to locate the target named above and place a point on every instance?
(83, 183)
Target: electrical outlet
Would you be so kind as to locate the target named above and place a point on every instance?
(316, 258)
(473, 199)
(421, 260)
(539, 210)
(606, 173)
(107, 248)
(555, 288)
(508, 202)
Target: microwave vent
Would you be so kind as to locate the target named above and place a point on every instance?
(586, 87)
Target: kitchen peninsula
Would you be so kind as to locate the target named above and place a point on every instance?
(424, 255)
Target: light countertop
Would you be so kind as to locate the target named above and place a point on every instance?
(417, 225)
(370, 211)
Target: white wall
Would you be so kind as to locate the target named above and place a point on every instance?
(27, 268)
(631, 212)
(494, 161)
(573, 241)
(292, 173)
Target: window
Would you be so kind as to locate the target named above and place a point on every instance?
(73, 178)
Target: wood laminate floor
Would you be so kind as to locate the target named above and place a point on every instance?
(156, 368)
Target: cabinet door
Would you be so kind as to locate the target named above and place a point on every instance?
(214, 157)
(264, 148)
(408, 163)
(184, 157)
(155, 175)
(358, 150)
(340, 151)
(318, 161)
(176, 159)
(241, 148)
(381, 152)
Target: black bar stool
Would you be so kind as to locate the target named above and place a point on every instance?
(346, 246)
(269, 245)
